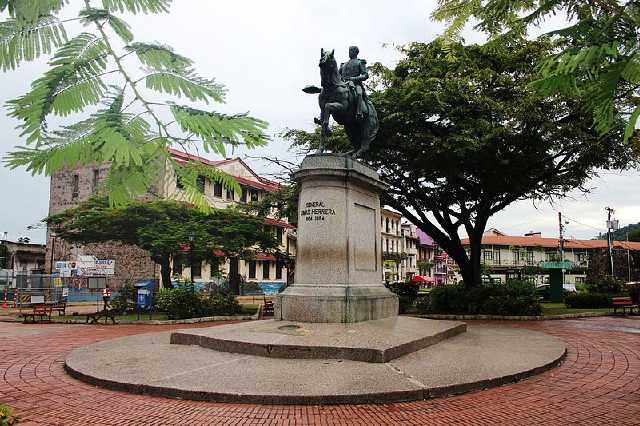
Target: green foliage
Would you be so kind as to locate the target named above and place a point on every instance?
(129, 133)
(605, 283)
(588, 300)
(180, 303)
(7, 416)
(165, 229)
(20, 42)
(184, 302)
(424, 266)
(126, 299)
(459, 124)
(515, 298)
(407, 294)
(596, 54)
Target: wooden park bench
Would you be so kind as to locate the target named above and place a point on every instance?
(624, 303)
(267, 309)
(104, 314)
(41, 311)
(60, 307)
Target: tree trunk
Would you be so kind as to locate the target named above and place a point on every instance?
(165, 272)
(234, 276)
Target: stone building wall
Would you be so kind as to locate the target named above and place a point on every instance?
(68, 189)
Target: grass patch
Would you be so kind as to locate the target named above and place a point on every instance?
(561, 309)
(249, 309)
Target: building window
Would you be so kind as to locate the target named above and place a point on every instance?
(516, 257)
(529, 257)
(94, 182)
(230, 194)
(254, 196)
(279, 234)
(551, 256)
(75, 187)
(243, 195)
(265, 270)
(278, 270)
(200, 184)
(387, 226)
(252, 269)
(487, 256)
(217, 190)
(387, 243)
(179, 184)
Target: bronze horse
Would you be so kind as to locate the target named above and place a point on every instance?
(338, 100)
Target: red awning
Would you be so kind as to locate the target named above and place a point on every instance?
(421, 279)
(264, 256)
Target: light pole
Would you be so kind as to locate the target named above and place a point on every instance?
(191, 239)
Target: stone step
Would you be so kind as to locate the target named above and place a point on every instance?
(371, 341)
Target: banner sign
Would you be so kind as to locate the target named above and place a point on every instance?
(86, 266)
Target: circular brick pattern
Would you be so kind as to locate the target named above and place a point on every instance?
(598, 383)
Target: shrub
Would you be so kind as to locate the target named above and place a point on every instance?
(588, 300)
(184, 302)
(125, 301)
(606, 284)
(180, 303)
(7, 416)
(514, 298)
(423, 304)
(634, 292)
(221, 303)
(407, 294)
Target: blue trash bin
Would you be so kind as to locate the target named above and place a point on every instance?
(145, 293)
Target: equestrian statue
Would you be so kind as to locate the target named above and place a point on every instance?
(344, 98)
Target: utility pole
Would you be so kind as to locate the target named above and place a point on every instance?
(610, 211)
(628, 258)
(561, 230)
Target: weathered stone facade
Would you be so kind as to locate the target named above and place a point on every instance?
(68, 189)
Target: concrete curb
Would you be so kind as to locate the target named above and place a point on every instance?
(365, 398)
(511, 318)
(54, 320)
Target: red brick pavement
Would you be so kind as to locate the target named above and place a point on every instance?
(599, 383)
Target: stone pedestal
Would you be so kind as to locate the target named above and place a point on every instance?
(338, 276)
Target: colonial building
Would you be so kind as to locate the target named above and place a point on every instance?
(71, 187)
(409, 242)
(391, 241)
(507, 256)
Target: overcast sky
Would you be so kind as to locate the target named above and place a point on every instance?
(265, 52)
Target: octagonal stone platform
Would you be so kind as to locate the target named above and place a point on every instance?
(371, 341)
(480, 358)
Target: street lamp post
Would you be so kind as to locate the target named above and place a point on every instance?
(191, 239)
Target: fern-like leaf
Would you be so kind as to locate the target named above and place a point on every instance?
(25, 41)
(69, 86)
(137, 6)
(30, 11)
(218, 130)
(188, 175)
(159, 57)
(120, 27)
(185, 83)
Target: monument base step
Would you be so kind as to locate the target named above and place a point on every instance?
(370, 341)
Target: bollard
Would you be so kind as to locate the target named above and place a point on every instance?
(4, 305)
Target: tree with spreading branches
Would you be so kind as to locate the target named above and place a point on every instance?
(169, 230)
(113, 82)
(463, 136)
(596, 54)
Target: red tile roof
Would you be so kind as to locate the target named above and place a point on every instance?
(262, 183)
(279, 223)
(508, 240)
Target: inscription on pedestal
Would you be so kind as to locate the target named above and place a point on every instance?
(316, 211)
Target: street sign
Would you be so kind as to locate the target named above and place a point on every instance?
(565, 264)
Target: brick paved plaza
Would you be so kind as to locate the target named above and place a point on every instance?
(599, 383)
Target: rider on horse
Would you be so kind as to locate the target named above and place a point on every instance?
(355, 73)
